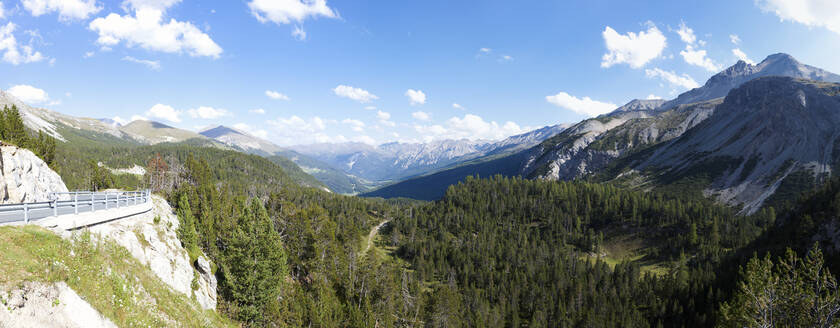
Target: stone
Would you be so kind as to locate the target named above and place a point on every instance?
(26, 178)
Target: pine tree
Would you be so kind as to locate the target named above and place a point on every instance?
(15, 129)
(186, 229)
(256, 266)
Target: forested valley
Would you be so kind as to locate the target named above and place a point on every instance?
(496, 251)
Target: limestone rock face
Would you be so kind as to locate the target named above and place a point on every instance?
(154, 242)
(37, 304)
(26, 178)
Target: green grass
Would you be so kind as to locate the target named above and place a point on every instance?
(101, 272)
(623, 245)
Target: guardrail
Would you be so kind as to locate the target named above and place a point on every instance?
(65, 203)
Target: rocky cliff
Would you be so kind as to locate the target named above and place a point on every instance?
(151, 239)
(26, 178)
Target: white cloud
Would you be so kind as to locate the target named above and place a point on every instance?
(468, 127)
(296, 130)
(148, 29)
(207, 113)
(821, 13)
(634, 49)
(366, 140)
(259, 111)
(120, 120)
(165, 112)
(357, 94)
(653, 97)
(356, 125)
(153, 4)
(506, 58)
(2, 11)
(299, 33)
(12, 52)
(684, 80)
(123, 121)
(584, 105)
(370, 107)
(735, 39)
(686, 34)
(698, 58)
(88, 54)
(153, 64)
(457, 106)
(742, 56)
(415, 97)
(385, 118)
(276, 95)
(288, 11)
(422, 116)
(485, 50)
(259, 133)
(29, 94)
(383, 115)
(66, 9)
(692, 54)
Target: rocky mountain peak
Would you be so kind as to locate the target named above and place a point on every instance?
(780, 64)
(640, 105)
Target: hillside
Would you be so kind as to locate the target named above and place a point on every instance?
(766, 134)
(80, 271)
(150, 132)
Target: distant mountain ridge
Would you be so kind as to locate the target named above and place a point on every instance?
(646, 146)
(240, 139)
(395, 161)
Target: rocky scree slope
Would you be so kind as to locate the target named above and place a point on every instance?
(592, 145)
(763, 132)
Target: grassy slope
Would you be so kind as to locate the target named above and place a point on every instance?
(103, 274)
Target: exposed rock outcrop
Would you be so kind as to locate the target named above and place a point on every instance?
(151, 238)
(37, 304)
(26, 178)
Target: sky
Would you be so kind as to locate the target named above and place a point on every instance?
(313, 71)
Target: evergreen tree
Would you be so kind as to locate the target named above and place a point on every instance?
(186, 229)
(255, 266)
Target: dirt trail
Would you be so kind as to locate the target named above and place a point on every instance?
(372, 235)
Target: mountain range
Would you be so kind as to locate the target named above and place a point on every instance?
(750, 136)
(348, 168)
(750, 132)
(396, 161)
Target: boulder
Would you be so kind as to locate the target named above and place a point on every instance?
(26, 178)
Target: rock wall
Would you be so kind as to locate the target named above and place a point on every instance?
(26, 178)
(151, 238)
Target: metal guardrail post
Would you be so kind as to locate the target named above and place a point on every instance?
(25, 213)
(76, 203)
(106, 201)
(55, 206)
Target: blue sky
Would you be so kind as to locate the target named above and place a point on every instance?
(305, 71)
